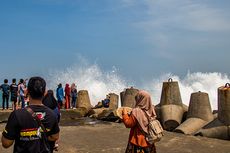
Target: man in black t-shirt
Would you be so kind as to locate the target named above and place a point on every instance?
(14, 94)
(24, 131)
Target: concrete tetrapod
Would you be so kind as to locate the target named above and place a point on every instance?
(113, 104)
(171, 116)
(215, 129)
(199, 114)
(122, 94)
(129, 97)
(83, 100)
(158, 111)
(171, 105)
(219, 128)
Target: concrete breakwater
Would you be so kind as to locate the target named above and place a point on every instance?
(174, 115)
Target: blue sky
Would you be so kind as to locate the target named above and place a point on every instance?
(141, 38)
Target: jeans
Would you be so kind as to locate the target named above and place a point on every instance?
(74, 99)
(22, 100)
(5, 98)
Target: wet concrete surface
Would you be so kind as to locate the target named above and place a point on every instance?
(91, 136)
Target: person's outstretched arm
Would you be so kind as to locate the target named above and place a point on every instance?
(129, 120)
(9, 133)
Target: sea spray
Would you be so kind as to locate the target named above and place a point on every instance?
(192, 82)
(91, 78)
(99, 82)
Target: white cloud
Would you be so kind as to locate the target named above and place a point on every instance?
(207, 20)
(172, 26)
(186, 14)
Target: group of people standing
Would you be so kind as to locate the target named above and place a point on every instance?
(16, 92)
(31, 136)
(33, 129)
(67, 97)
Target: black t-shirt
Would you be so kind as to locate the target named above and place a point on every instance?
(22, 128)
(13, 90)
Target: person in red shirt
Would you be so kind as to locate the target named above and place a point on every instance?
(67, 96)
(138, 122)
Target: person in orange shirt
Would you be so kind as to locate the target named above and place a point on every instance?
(138, 122)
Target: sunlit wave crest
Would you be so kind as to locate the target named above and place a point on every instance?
(99, 82)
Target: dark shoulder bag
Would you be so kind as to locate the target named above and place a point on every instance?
(43, 134)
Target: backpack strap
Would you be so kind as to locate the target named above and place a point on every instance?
(149, 117)
(45, 139)
(36, 119)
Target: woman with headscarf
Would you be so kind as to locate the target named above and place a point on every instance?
(50, 101)
(67, 96)
(60, 95)
(138, 122)
(73, 95)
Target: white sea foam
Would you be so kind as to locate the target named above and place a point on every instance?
(89, 77)
(99, 82)
(192, 82)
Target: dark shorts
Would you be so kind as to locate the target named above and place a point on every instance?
(14, 99)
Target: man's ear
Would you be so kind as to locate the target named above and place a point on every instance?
(45, 93)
